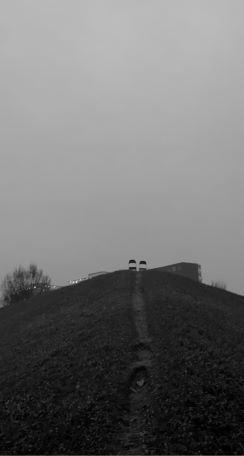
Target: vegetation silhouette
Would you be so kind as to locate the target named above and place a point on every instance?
(24, 283)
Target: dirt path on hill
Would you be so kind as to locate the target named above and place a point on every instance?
(139, 418)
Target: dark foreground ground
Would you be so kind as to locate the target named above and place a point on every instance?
(62, 363)
(198, 341)
(65, 358)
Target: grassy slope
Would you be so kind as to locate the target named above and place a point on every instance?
(197, 339)
(63, 356)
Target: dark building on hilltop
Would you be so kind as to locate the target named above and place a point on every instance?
(191, 270)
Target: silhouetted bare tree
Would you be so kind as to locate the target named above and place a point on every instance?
(24, 283)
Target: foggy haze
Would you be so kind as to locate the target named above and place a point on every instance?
(121, 135)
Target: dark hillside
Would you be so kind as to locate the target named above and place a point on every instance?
(198, 341)
(63, 355)
(124, 362)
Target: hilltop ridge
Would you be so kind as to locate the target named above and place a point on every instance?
(76, 361)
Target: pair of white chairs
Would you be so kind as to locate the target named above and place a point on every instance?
(142, 265)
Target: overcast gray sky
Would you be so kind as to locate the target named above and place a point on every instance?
(121, 135)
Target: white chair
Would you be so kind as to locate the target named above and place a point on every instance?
(132, 265)
(143, 265)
